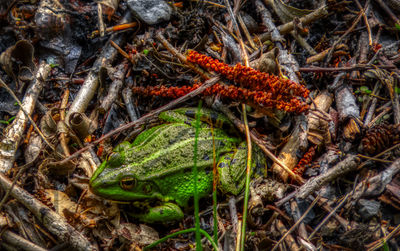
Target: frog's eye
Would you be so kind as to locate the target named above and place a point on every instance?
(115, 160)
(127, 183)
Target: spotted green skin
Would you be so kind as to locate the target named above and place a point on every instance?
(160, 160)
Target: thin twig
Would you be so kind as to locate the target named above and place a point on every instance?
(378, 155)
(297, 223)
(329, 216)
(366, 22)
(339, 40)
(347, 68)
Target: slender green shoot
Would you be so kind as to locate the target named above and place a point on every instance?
(385, 246)
(248, 173)
(195, 176)
(214, 194)
(189, 230)
(215, 217)
(7, 122)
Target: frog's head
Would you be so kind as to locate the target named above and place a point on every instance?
(116, 181)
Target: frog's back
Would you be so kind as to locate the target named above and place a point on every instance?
(166, 158)
(170, 148)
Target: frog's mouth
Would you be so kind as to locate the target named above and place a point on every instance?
(113, 192)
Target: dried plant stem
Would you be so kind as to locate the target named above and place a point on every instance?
(388, 11)
(289, 239)
(301, 229)
(338, 41)
(385, 239)
(346, 68)
(246, 129)
(246, 32)
(63, 136)
(100, 19)
(378, 155)
(366, 22)
(374, 159)
(181, 57)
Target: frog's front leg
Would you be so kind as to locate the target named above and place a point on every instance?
(166, 212)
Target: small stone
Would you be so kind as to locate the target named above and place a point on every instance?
(368, 208)
(150, 11)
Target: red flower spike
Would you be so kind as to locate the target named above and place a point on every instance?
(258, 88)
(249, 77)
(230, 92)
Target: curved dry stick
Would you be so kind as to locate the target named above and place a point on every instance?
(56, 224)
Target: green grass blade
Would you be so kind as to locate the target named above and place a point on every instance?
(215, 218)
(214, 195)
(247, 185)
(189, 230)
(195, 174)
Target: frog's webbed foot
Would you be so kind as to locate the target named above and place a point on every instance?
(166, 212)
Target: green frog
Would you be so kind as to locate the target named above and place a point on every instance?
(154, 173)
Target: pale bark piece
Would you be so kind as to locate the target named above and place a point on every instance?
(288, 153)
(322, 103)
(350, 163)
(346, 104)
(14, 132)
(377, 184)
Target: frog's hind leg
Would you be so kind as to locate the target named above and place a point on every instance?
(232, 168)
(164, 213)
(177, 116)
